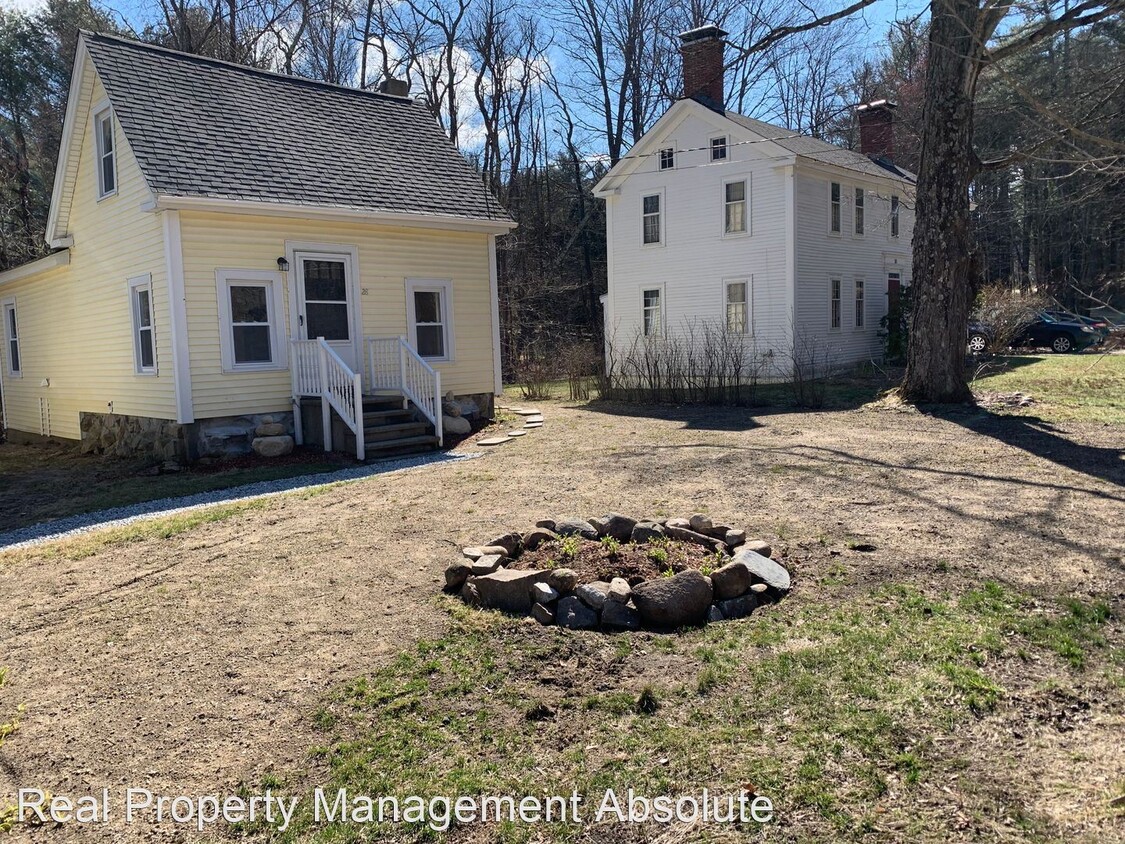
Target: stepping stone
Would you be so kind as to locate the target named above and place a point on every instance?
(517, 433)
(534, 425)
(493, 441)
(525, 412)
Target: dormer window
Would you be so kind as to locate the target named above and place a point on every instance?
(667, 158)
(107, 154)
(719, 148)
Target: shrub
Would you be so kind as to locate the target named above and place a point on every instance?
(1006, 312)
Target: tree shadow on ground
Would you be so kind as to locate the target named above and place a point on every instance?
(1037, 437)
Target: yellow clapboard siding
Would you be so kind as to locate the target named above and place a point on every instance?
(75, 321)
(387, 257)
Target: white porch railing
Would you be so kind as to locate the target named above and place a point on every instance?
(393, 364)
(316, 369)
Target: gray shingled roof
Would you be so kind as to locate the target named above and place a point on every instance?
(815, 149)
(205, 128)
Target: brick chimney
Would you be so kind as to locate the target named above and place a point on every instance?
(876, 129)
(702, 51)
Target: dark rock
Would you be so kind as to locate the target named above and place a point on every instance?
(674, 601)
(594, 594)
(506, 589)
(715, 614)
(700, 523)
(738, 607)
(546, 524)
(598, 525)
(562, 580)
(575, 527)
(470, 594)
(575, 615)
(757, 546)
(763, 569)
(456, 575)
(685, 535)
(646, 532)
(619, 527)
(486, 564)
(543, 615)
(717, 531)
(620, 616)
(734, 538)
(730, 581)
(510, 542)
(620, 590)
(537, 537)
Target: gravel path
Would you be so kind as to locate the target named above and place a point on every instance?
(117, 516)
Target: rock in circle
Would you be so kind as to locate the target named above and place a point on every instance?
(543, 615)
(730, 581)
(476, 552)
(456, 425)
(617, 526)
(487, 564)
(470, 594)
(575, 615)
(594, 594)
(717, 531)
(700, 523)
(533, 539)
(646, 532)
(738, 607)
(598, 525)
(546, 524)
(510, 542)
(575, 527)
(270, 429)
(763, 569)
(562, 580)
(734, 538)
(456, 575)
(272, 446)
(619, 590)
(541, 593)
(758, 546)
(669, 602)
(715, 614)
(506, 589)
(759, 590)
(687, 535)
(620, 616)
(678, 522)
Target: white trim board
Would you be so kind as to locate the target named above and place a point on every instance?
(177, 312)
(50, 262)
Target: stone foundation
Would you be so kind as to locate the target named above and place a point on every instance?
(233, 436)
(164, 440)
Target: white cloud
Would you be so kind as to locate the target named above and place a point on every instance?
(22, 5)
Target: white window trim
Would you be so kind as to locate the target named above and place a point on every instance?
(134, 284)
(711, 148)
(669, 145)
(840, 231)
(748, 327)
(275, 303)
(855, 209)
(893, 215)
(831, 281)
(101, 113)
(663, 311)
(663, 215)
(749, 193)
(859, 283)
(444, 286)
(7, 305)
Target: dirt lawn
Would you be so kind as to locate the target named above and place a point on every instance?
(194, 662)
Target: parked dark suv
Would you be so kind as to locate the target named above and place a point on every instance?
(1059, 332)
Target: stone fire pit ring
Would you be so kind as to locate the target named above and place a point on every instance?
(720, 575)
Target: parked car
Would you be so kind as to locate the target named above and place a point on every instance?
(1099, 325)
(980, 337)
(1058, 332)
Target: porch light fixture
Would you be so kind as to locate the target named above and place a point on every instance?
(283, 264)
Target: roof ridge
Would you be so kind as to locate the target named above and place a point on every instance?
(200, 59)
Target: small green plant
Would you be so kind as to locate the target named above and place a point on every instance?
(647, 702)
(658, 555)
(569, 547)
(707, 681)
(611, 547)
(668, 572)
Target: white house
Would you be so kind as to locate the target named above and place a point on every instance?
(232, 244)
(791, 243)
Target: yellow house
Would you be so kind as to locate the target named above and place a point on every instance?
(242, 255)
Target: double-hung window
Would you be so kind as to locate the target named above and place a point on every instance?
(894, 216)
(719, 148)
(652, 312)
(734, 207)
(859, 303)
(106, 152)
(250, 317)
(144, 330)
(650, 213)
(859, 200)
(835, 209)
(835, 286)
(667, 158)
(12, 338)
(429, 314)
(738, 307)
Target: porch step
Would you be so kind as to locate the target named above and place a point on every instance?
(381, 417)
(401, 445)
(376, 433)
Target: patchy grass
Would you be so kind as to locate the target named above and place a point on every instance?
(44, 482)
(842, 715)
(1086, 387)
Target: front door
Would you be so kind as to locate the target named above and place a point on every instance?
(325, 306)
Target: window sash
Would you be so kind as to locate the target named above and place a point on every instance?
(247, 328)
(860, 315)
(651, 310)
(650, 218)
(835, 306)
(144, 333)
(836, 209)
(107, 159)
(432, 334)
(859, 200)
(894, 216)
(719, 148)
(439, 323)
(738, 310)
(734, 207)
(12, 335)
(667, 158)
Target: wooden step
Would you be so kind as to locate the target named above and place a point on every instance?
(391, 432)
(402, 445)
(379, 417)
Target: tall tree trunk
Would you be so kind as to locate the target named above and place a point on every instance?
(944, 265)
